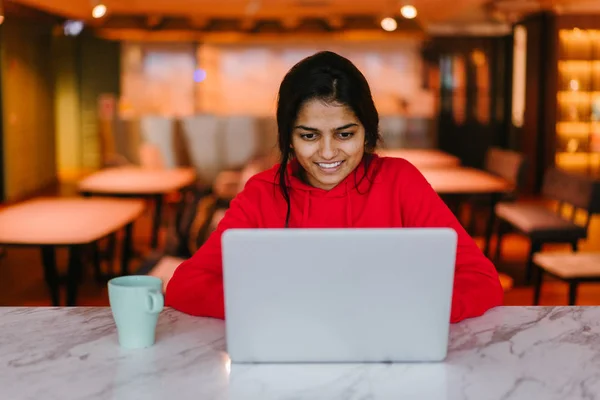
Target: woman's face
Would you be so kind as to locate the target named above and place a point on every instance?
(328, 141)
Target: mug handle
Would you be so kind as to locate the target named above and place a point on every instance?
(155, 303)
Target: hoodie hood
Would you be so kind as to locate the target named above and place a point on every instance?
(357, 183)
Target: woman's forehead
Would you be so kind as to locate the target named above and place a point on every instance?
(326, 113)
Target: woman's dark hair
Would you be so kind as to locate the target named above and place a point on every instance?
(329, 77)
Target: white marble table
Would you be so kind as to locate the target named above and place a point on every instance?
(510, 353)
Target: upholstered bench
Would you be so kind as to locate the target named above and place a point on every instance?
(573, 268)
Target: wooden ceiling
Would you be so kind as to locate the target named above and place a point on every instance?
(154, 18)
(429, 10)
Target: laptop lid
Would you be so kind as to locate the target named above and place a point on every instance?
(338, 295)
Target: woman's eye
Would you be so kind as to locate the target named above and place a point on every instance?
(309, 136)
(346, 135)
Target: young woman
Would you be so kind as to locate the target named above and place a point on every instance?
(329, 178)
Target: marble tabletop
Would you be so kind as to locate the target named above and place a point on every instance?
(509, 353)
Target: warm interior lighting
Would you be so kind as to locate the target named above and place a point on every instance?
(1, 19)
(99, 11)
(478, 57)
(408, 11)
(389, 24)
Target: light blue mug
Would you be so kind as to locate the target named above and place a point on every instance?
(136, 301)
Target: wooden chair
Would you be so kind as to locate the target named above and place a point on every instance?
(507, 164)
(544, 225)
(163, 263)
(572, 268)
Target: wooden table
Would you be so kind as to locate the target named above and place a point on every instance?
(70, 222)
(464, 182)
(422, 158)
(139, 183)
(512, 353)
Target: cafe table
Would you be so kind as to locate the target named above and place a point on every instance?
(465, 182)
(73, 223)
(423, 158)
(511, 353)
(138, 182)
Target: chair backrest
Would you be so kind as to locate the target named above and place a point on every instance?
(240, 140)
(201, 133)
(393, 131)
(158, 131)
(506, 164)
(185, 214)
(570, 188)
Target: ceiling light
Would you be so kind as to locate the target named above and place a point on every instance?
(389, 24)
(408, 12)
(72, 28)
(99, 11)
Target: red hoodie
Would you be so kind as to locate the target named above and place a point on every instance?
(397, 195)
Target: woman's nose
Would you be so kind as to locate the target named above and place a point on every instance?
(328, 149)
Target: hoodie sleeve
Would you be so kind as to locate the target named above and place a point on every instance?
(477, 286)
(196, 287)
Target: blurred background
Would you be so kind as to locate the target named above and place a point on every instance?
(172, 103)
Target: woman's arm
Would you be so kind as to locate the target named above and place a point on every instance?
(196, 287)
(476, 284)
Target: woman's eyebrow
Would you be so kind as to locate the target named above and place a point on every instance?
(308, 128)
(346, 126)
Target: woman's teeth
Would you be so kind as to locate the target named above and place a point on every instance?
(329, 165)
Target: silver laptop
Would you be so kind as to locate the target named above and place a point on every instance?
(338, 295)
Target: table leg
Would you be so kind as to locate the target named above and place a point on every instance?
(111, 248)
(73, 274)
(51, 274)
(126, 253)
(158, 204)
(97, 261)
(489, 229)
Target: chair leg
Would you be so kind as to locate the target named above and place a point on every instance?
(575, 245)
(97, 262)
(573, 292)
(537, 290)
(470, 214)
(535, 247)
(500, 230)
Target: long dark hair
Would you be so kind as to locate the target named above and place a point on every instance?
(334, 79)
